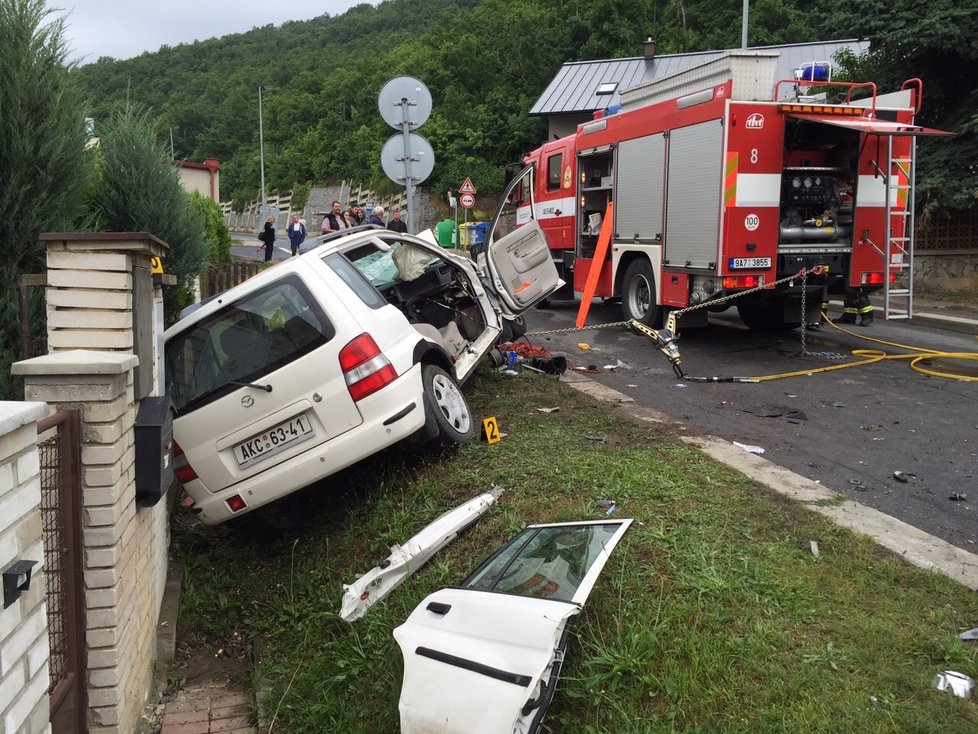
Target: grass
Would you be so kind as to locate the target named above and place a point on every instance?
(712, 615)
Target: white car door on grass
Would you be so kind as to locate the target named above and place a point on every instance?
(483, 658)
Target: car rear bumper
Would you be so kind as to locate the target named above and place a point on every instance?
(394, 417)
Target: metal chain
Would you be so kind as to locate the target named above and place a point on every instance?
(677, 314)
(612, 325)
(804, 325)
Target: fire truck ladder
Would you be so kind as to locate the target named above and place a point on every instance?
(898, 250)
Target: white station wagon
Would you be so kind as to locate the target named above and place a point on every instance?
(331, 356)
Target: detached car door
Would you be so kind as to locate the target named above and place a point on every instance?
(517, 256)
(485, 657)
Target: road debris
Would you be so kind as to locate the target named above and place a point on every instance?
(549, 410)
(597, 437)
(403, 560)
(749, 448)
(971, 634)
(814, 546)
(958, 497)
(900, 477)
(959, 684)
(610, 505)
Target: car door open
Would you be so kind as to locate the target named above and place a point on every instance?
(517, 254)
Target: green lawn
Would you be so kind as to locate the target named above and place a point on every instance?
(713, 615)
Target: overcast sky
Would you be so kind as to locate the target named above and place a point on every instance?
(125, 28)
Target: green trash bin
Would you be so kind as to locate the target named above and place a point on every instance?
(445, 233)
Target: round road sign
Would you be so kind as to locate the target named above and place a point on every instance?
(467, 200)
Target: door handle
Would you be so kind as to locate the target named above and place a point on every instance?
(438, 607)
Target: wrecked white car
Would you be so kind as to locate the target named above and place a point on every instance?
(484, 657)
(331, 356)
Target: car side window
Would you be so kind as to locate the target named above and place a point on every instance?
(357, 281)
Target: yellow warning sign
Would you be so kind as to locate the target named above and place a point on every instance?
(157, 265)
(490, 430)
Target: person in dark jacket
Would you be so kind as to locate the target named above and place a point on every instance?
(297, 233)
(395, 224)
(377, 217)
(267, 236)
(334, 220)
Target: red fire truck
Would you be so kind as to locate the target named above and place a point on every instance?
(720, 179)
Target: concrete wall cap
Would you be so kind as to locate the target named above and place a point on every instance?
(76, 362)
(13, 414)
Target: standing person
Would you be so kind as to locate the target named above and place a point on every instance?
(377, 217)
(296, 232)
(396, 225)
(334, 221)
(267, 236)
(352, 217)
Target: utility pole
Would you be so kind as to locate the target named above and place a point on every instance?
(743, 28)
(261, 155)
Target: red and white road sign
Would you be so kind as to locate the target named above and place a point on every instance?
(467, 188)
(467, 201)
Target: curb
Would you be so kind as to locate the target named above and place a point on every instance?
(918, 548)
(961, 324)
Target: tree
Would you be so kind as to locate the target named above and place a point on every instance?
(934, 42)
(216, 232)
(42, 157)
(137, 189)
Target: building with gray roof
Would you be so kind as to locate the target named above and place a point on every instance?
(582, 87)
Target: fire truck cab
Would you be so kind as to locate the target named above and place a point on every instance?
(719, 179)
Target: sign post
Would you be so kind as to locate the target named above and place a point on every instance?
(405, 104)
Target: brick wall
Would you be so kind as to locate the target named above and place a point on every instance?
(23, 625)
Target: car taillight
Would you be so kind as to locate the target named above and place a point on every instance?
(365, 368)
(236, 503)
(876, 278)
(181, 467)
(741, 281)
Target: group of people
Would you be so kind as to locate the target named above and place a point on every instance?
(335, 220)
(296, 231)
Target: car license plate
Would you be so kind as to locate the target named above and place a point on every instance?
(273, 441)
(750, 263)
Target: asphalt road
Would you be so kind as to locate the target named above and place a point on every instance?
(850, 430)
(246, 246)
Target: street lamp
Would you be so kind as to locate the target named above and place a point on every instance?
(172, 155)
(261, 154)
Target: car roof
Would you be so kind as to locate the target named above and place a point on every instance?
(316, 247)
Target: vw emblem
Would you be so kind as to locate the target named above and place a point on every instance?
(247, 401)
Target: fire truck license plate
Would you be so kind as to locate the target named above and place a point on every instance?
(750, 263)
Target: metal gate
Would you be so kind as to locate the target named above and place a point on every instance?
(59, 449)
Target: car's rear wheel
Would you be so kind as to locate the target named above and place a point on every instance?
(448, 418)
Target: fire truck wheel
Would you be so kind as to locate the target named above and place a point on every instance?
(638, 293)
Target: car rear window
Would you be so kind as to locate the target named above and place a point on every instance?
(244, 341)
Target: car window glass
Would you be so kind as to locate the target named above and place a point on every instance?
(244, 341)
(400, 261)
(547, 562)
(358, 282)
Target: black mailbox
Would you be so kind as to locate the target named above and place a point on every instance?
(154, 450)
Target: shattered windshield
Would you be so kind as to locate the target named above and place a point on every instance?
(546, 562)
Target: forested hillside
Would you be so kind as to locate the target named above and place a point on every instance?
(485, 61)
